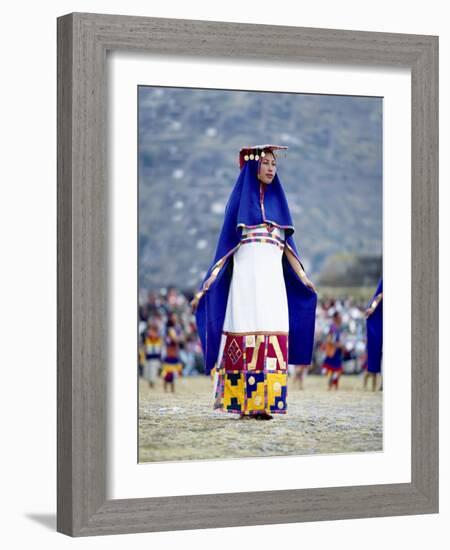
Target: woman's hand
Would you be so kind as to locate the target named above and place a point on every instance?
(373, 306)
(296, 265)
(194, 303)
(369, 311)
(209, 281)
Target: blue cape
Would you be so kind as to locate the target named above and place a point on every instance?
(375, 334)
(245, 208)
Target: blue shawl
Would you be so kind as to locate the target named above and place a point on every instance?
(375, 334)
(245, 208)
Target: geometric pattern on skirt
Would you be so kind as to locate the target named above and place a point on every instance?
(252, 377)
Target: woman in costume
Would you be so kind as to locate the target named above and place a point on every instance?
(172, 366)
(153, 350)
(374, 324)
(333, 352)
(255, 310)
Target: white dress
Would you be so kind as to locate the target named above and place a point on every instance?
(256, 326)
(257, 298)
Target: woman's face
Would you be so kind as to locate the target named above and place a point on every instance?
(267, 168)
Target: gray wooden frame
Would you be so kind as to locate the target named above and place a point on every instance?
(83, 41)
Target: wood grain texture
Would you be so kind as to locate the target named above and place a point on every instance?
(424, 275)
(64, 269)
(82, 274)
(83, 233)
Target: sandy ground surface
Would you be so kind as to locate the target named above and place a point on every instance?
(182, 425)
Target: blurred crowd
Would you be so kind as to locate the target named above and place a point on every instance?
(169, 341)
(166, 316)
(353, 328)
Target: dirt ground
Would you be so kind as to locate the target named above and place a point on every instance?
(183, 425)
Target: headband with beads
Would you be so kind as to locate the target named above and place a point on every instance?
(256, 152)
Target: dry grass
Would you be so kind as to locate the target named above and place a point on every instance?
(183, 426)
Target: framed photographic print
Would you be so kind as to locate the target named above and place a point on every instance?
(256, 204)
(334, 150)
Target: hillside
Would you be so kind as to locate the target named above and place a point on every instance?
(188, 147)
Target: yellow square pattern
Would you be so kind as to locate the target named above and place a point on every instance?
(275, 384)
(256, 401)
(234, 391)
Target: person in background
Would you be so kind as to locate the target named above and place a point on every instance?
(141, 360)
(153, 350)
(333, 352)
(172, 366)
(299, 372)
(171, 369)
(188, 355)
(374, 324)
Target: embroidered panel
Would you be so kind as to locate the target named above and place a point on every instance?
(253, 373)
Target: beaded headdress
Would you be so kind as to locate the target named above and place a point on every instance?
(255, 152)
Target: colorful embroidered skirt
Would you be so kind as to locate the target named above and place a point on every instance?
(333, 360)
(252, 376)
(171, 368)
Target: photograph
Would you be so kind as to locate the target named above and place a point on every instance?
(260, 239)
